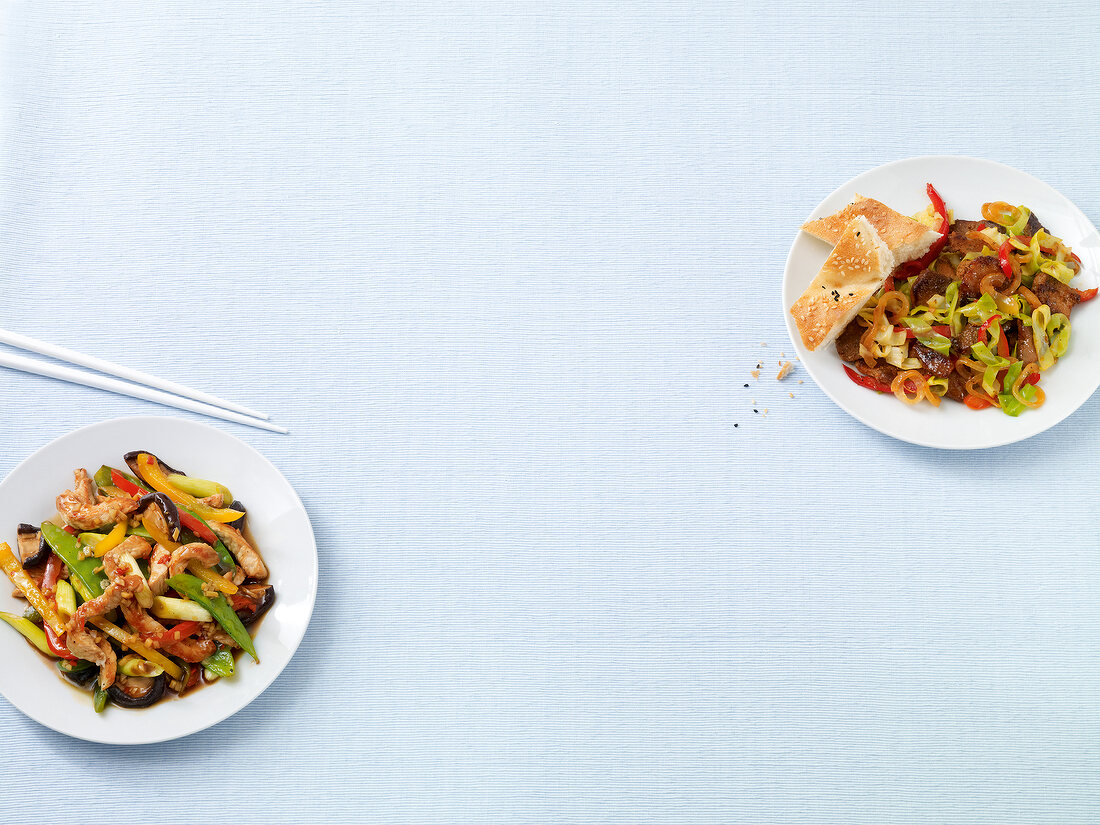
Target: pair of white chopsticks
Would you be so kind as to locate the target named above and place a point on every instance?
(136, 384)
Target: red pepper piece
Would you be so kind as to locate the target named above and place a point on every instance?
(1032, 379)
(1087, 294)
(198, 528)
(51, 575)
(867, 381)
(57, 644)
(976, 403)
(180, 631)
(913, 267)
(941, 329)
(127, 486)
(940, 207)
(985, 326)
(1002, 254)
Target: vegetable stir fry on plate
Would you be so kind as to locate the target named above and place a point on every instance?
(977, 320)
(144, 585)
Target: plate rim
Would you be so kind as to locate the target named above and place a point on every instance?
(796, 341)
(314, 563)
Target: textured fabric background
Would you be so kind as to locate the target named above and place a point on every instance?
(504, 269)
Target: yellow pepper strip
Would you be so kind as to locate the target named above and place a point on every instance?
(154, 476)
(212, 577)
(135, 644)
(159, 536)
(111, 540)
(29, 589)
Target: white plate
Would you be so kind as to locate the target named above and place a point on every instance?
(278, 522)
(965, 184)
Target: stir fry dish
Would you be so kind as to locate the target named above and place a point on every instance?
(143, 585)
(977, 319)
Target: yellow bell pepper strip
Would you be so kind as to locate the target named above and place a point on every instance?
(153, 474)
(211, 577)
(137, 646)
(200, 487)
(30, 631)
(218, 607)
(111, 540)
(10, 565)
(84, 575)
(158, 535)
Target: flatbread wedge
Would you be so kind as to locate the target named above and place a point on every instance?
(908, 239)
(858, 265)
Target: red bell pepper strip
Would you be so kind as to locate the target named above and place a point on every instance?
(1033, 378)
(976, 403)
(49, 582)
(867, 381)
(942, 329)
(940, 207)
(1087, 294)
(197, 527)
(127, 486)
(180, 631)
(51, 575)
(1002, 254)
(57, 644)
(1002, 342)
(914, 267)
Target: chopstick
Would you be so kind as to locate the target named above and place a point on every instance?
(138, 377)
(103, 382)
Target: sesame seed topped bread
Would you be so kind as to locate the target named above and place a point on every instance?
(858, 265)
(908, 239)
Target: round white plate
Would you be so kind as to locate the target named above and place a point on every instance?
(278, 522)
(965, 184)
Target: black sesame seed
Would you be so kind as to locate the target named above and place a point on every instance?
(746, 385)
(737, 425)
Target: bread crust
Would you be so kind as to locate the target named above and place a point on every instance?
(907, 238)
(858, 265)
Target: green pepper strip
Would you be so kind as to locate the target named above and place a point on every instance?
(219, 663)
(219, 608)
(82, 572)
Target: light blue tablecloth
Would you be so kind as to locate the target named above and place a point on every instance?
(504, 270)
